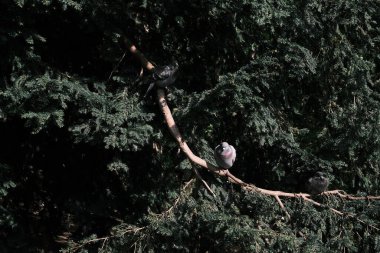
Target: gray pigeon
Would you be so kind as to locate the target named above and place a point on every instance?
(163, 76)
(225, 155)
(317, 184)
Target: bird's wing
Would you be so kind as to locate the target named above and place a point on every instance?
(162, 72)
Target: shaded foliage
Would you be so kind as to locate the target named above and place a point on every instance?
(294, 85)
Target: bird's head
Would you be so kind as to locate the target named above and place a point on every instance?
(175, 64)
(320, 175)
(225, 145)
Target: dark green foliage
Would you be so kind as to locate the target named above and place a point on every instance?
(293, 85)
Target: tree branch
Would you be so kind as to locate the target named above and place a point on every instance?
(223, 172)
(146, 64)
(344, 195)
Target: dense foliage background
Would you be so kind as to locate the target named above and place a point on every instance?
(293, 85)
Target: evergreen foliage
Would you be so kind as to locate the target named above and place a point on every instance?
(87, 164)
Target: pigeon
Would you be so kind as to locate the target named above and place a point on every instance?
(317, 184)
(163, 76)
(225, 155)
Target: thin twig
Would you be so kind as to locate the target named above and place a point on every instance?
(104, 243)
(168, 211)
(282, 205)
(116, 66)
(203, 181)
(135, 230)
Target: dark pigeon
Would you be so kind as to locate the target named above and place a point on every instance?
(163, 76)
(317, 184)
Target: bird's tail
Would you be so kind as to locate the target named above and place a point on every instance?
(151, 85)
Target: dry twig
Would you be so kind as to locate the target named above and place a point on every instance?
(106, 238)
(167, 212)
(116, 66)
(203, 181)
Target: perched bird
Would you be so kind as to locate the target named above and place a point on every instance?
(225, 155)
(317, 184)
(163, 76)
